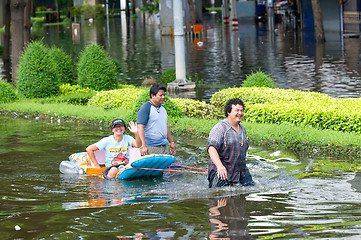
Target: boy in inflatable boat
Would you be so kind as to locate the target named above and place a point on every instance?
(115, 146)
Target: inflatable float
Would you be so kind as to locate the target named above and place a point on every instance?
(147, 166)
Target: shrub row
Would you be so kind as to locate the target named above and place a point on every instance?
(43, 70)
(300, 108)
(196, 109)
(120, 98)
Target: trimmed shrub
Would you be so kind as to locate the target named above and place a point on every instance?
(80, 98)
(63, 65)
(67, 22)
(96, 70)
(196, 109)
(258, 79)
(7, 92)
(67, 89)
(120, 98)
(36, 76)
(256, 95)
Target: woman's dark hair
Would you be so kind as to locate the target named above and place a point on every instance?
(233, 101)
(155, 89)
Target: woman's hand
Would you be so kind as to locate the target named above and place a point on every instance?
(132, 127)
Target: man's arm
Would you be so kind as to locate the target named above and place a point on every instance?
(221, 169)
(173, 148)
(143, 147)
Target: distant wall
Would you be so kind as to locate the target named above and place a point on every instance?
(246, 9)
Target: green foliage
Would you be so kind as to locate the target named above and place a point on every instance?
(63, 65)
(37, 29)
(120, 98)
(36, 76)
(80, 98)
(96, 70)
(172, 109)
(151, 7)
(42, 70)
(195, 109)
(255, 95)
(36, 19)
(258, 79)
(167, 77)
(277, 106)
(7, 92)
(170, 75)
(68, 88)
(87, 11)
(67, 22)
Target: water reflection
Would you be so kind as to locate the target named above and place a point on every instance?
(224, 57)
(228, 218)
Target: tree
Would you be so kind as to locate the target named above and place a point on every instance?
(6, 53)
(17, 38)
(192, 12)
(27, 23)
(318, 21)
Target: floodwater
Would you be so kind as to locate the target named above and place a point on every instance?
(39, 202)
(221, 57)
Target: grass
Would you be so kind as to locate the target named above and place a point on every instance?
(85, 113)
(306, 139)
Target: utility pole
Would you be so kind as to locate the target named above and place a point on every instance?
(180, 83)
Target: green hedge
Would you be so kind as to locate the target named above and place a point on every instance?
(196, 109)
(36, 75)
(338, 115)
(63, 65)
(96, 70)
(300, 108)
(42, 70)
(120, 98)
(7, 92)
(258, 95)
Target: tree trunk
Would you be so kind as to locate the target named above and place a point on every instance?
(133, 7)
(27, 22)
(317, 15)
(127, 12)
(6, 52)
(57, 11)
(192, 12)
(17, 37)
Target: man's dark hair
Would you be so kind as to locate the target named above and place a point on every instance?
(155, 89)
(233, 101)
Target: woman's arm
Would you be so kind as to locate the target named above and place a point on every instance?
(90, 150)
(134, 129)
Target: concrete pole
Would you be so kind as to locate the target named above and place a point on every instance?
(270, 16)
(234, 15)
(180, 66)
(225, 12)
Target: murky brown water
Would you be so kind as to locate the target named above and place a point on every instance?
(38, 202)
